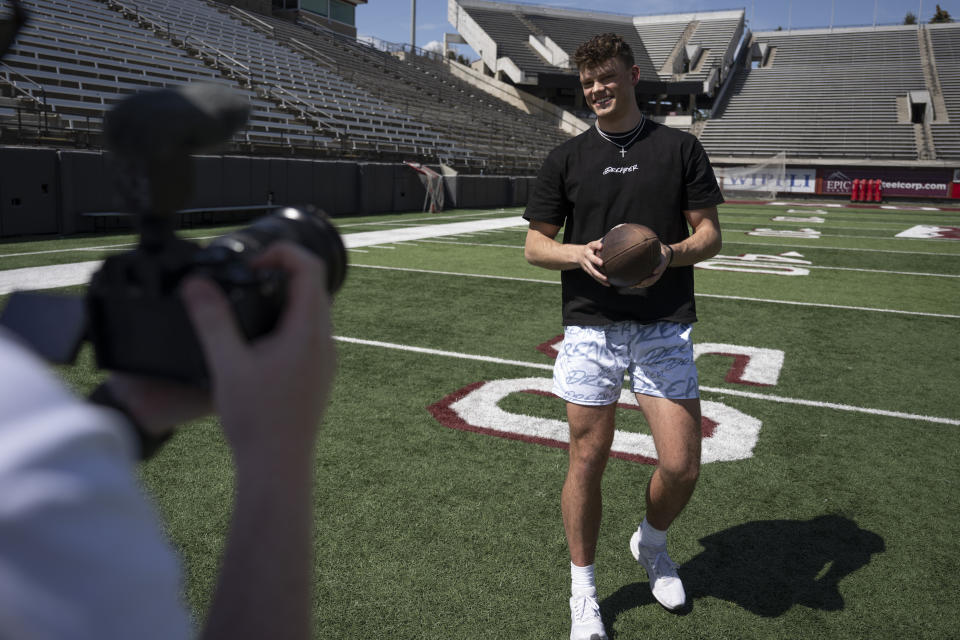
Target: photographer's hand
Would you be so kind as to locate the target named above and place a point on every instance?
(156, 407)
(271, 395)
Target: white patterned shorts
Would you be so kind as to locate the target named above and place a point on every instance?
(592, 361)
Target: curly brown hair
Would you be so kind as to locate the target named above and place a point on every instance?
(601, 48)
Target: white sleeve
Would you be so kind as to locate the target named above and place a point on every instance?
(82, 553)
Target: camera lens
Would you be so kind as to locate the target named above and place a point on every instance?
(307, 227)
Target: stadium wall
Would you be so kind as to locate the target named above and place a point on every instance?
(477, 192)
(45, 191)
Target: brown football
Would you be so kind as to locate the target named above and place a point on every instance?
(630, 253)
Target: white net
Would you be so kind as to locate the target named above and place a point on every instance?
(433, 183)
(760, 181)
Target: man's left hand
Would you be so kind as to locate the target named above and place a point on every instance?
(666, 254)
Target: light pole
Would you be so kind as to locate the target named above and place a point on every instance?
(413, 25)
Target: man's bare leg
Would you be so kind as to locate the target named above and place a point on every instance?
(677, 434)
(591, 435)
(675, 425)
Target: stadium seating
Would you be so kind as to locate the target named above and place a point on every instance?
(570, 34)
(826, 94)
(715, 33)
(340, 109)
(838, 93)
(655, 40)
(82, 57)
(422, 85)
(512, 38)
(310, 90)
(945, 39)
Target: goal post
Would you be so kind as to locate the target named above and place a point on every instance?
(433, 183)
(758, 181)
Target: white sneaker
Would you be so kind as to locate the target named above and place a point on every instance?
(585, 620)
(662, 571)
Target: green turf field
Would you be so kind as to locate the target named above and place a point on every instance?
(830, 513)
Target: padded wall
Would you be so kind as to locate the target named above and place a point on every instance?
(48, 191)
(86, 184)
(29, 191)
(208, 187)
(238, 182)
(483, 191)
(522, 187)
(336, 187)
(408, 190)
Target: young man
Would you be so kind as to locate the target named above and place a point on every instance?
(626, 169)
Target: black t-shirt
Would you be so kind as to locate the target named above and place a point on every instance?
(586, 186)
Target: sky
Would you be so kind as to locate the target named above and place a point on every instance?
(390, 19)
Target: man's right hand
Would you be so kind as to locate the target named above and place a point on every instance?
(541, 249)
(590, 261)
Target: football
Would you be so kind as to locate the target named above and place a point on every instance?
(630, 253)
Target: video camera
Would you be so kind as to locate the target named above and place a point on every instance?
(132, 313)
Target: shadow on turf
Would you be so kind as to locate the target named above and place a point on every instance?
(767, 567)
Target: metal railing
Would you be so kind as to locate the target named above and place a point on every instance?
(221, 60)
(7, 72)
(314, 54)
(150, 20)
(306, 110)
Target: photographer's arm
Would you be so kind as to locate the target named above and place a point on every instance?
(270, 395)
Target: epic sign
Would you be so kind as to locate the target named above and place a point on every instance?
(929, 183)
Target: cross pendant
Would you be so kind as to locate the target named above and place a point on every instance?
(623, 152)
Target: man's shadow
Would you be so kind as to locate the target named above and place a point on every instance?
(766, 567)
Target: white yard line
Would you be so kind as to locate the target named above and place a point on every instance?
(368, 238)
(719, 390)
(49, 277)
(516, 247)
(727, 230)
(864, 250)
(65, 275)
(720, 257)
(757, 260)
(41, 253)
(700, 295)
(408, 221)
(830, 306)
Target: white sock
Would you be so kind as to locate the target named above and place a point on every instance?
(651, 537)
(582, 580)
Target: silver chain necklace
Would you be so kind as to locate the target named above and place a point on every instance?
(623, 147)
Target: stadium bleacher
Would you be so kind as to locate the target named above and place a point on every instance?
(817, 94)
(83, 56)
(427, 92)
(824, 94)
(945, 40)
(841, 93)
(659, 43)
(715, 34)
(310, 89)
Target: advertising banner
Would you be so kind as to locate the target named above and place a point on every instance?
(917, 183)
(794, 180)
